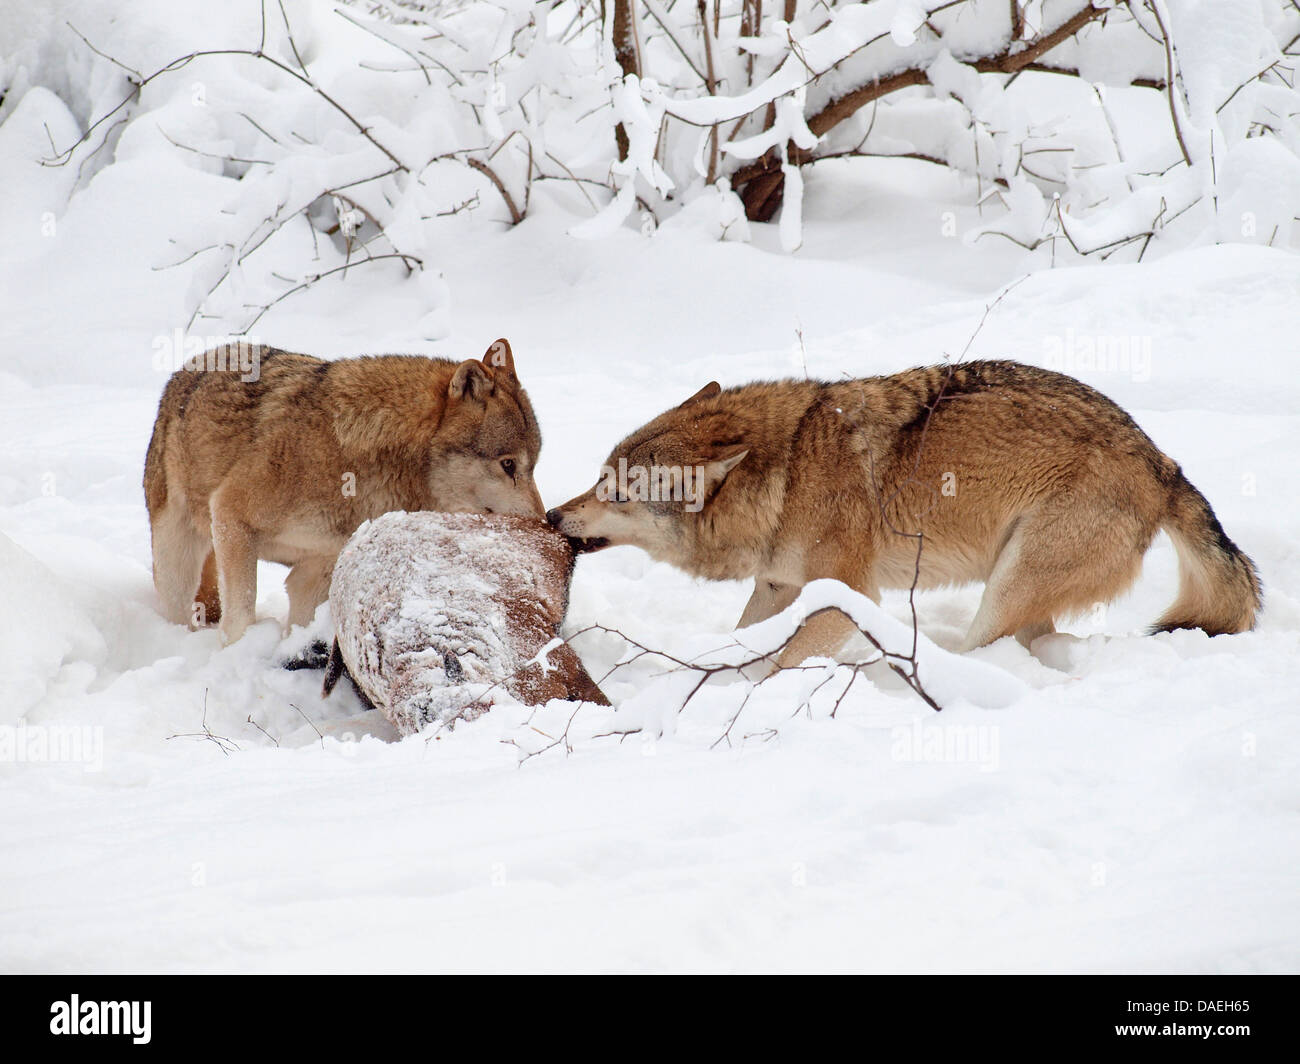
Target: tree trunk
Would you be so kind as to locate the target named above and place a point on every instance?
(627, 50)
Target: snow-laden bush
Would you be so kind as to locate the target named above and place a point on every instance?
(750, 94)
(348, 134)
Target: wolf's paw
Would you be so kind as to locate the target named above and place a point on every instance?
(315, 655)
(1058, 650)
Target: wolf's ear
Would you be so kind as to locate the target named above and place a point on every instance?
(714, 471)
(709, 391)
(471, 381)
(500, 360)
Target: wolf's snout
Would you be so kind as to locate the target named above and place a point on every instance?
(554, 517)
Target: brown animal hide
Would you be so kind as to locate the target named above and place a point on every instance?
(437, 614)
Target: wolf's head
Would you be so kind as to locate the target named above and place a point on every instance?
(487, 442)
(657, 485)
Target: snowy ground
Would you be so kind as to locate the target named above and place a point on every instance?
(1133, 804)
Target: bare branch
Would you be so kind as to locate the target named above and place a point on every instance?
(410, 261)
(63, 157)
(516, 215)
(1154, 7)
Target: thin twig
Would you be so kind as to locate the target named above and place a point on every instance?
(207, 734)
(262, 730)
(312, 723)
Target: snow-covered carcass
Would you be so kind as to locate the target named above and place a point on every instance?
(435, 615)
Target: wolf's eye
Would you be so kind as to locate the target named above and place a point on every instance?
(508, 464)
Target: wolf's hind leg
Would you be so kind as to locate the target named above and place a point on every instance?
(208, 597)
(179, 550)
(308, 584)
(1030, 632)
(236, 550)
(1055, 564)
(1014, 598)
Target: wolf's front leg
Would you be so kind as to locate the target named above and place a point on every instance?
(768, 600)
(822, 635)
(825, 631)
(308, 584)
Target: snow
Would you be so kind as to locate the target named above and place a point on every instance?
(45, 637)
(1110, 802)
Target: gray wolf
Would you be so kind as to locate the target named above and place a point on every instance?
(284, 467)
(1022, 478)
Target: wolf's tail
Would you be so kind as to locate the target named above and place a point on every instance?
(155, 471)
(1218, 586)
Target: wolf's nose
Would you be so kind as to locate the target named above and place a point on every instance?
(553, 518)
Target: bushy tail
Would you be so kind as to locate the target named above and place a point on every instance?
(176, 394)
(1218, 586)
(155, 474)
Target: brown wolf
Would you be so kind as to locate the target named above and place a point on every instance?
(284, 467)
(1022, 478)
